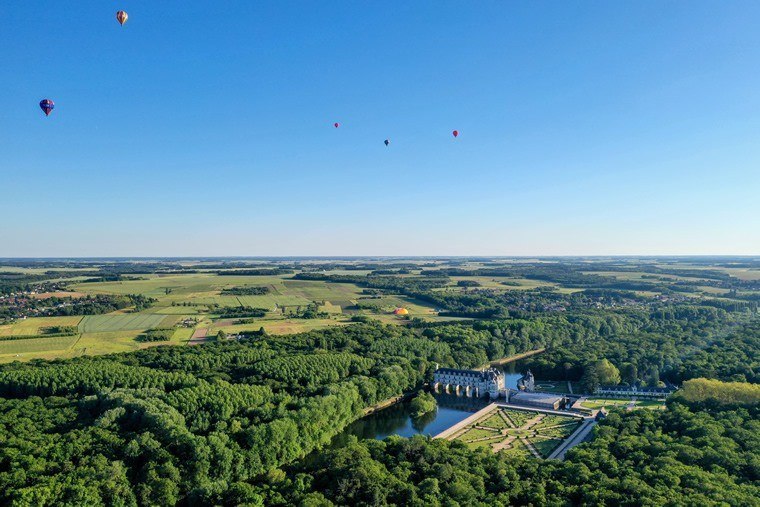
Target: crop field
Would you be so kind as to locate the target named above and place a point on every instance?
(544, 432)
(278, 326)
(269, 301)
(31, 326)
(336, 293)
(120, 322)
(177, 310)
(743, 273)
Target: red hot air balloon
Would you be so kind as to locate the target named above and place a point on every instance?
(455, 133)
(336, 124)
(122, 17)
(387, 142)
(47, 106)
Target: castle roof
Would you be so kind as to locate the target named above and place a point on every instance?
(490, 374)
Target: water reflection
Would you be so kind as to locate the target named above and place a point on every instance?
(397, 419)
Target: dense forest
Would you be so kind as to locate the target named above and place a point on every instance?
(686, 455)
(216, 424)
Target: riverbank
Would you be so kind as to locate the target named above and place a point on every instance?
(501, 362)
(389, 402)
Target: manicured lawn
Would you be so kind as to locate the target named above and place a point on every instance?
(597, 403)
(476, 433)
(483, 443)
(561, 431)
(516, 448)
(553, 420)
(495, 421)
(520, 417)
(545, 446)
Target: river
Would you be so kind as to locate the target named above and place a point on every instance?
(397, 419)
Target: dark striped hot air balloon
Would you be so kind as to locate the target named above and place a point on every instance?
(455, 133)
(47, 106)
(387, 142)
(122, 17)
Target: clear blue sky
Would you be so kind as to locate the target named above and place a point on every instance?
(205, 128)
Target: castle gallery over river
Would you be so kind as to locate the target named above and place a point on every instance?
(490, 382)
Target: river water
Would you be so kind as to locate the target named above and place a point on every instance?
(397, 419)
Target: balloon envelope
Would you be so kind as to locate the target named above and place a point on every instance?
(336, 124)
(47, 106)
(387, 142)
(456, 133)
(122, 17)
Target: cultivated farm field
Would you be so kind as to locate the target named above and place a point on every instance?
(9, 349)
(120, 322)
(32, 326)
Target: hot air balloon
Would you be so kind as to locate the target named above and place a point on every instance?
(336, 124)
(387, 142)
(47, 106)
(455, 133)
(122, 17)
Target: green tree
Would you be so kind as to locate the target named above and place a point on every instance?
(590, 379)
(608, 373)
(422, 404)
(629, 373)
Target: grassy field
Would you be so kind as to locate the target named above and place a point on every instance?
(31, 326)
(22, 349)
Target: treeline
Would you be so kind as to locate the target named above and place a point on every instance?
(156, 335)
(396, 284)
(45, 332)
(231, 312)
(246, 291)
(702, 391)
(95, 305)
(255, 272)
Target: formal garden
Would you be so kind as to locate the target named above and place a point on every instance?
(513, 431)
